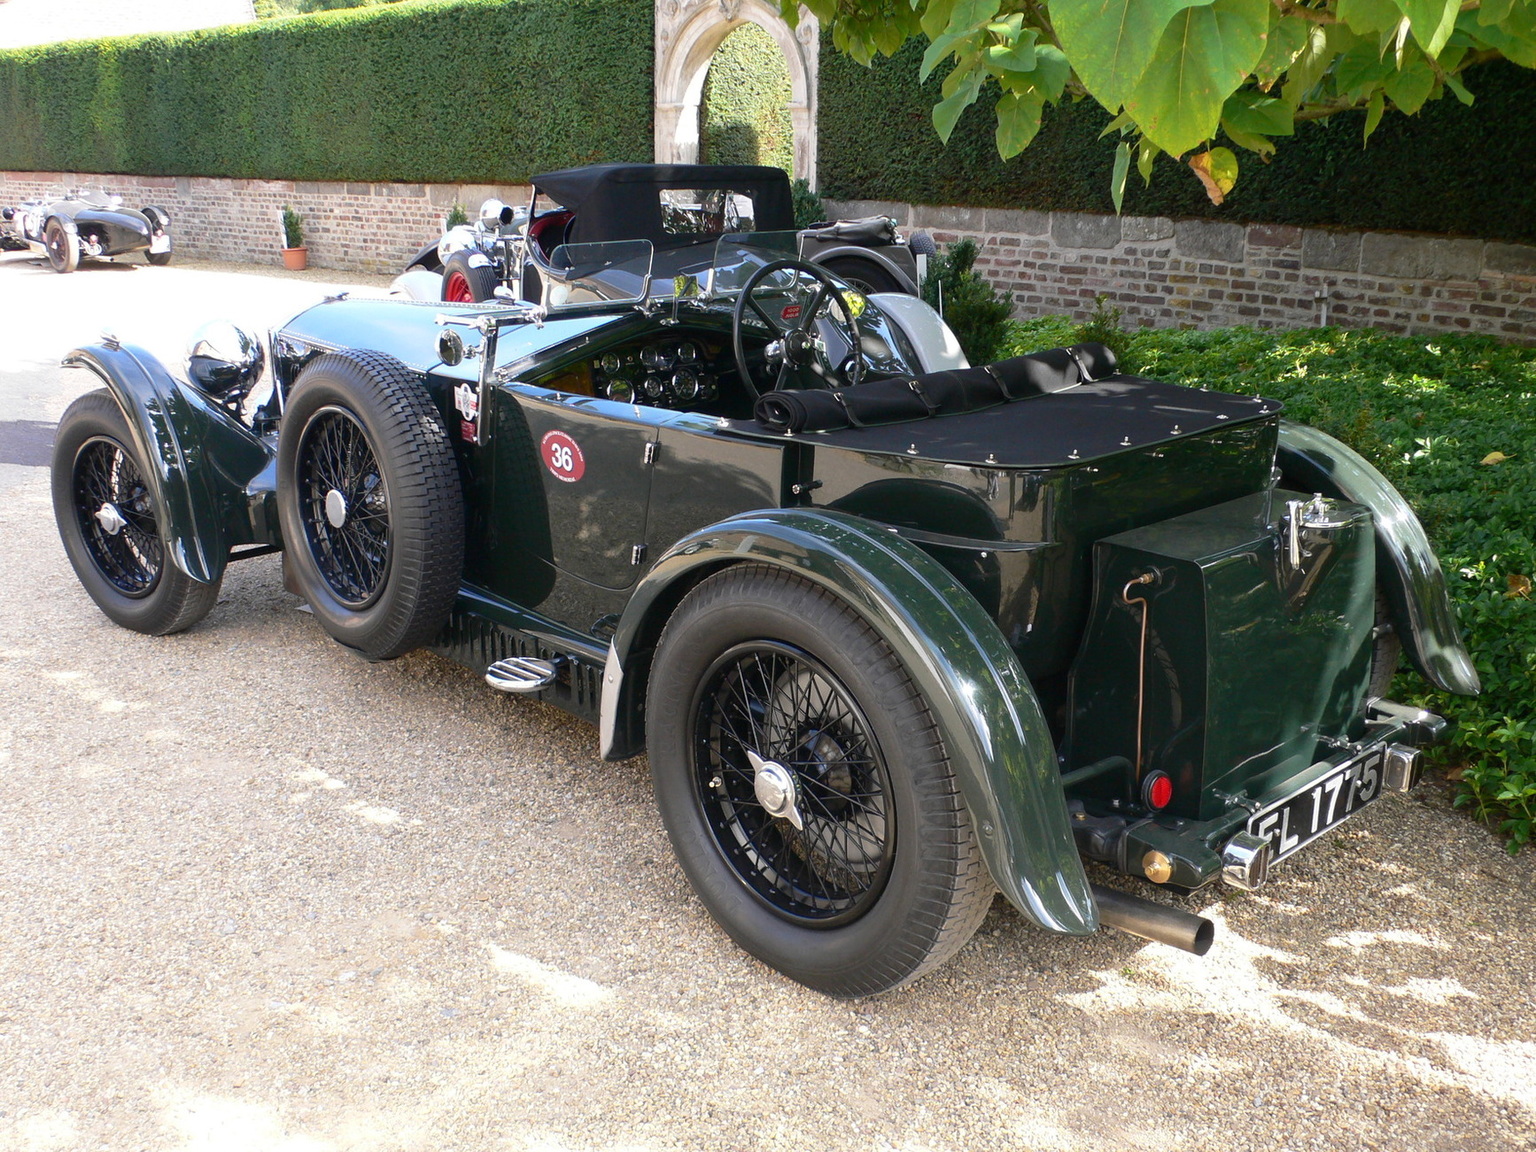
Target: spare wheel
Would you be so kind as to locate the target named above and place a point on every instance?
(370, 502)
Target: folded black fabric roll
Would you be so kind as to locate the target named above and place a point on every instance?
(813, 410)
(1097, 360)
(959, 390)
(1036, 374)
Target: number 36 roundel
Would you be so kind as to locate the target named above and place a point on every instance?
(562, 456)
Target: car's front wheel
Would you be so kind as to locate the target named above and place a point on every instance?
(370, 502)
(63, 246)
(113, 528)
(468, 279)
(806, 789)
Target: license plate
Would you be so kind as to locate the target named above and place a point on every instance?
(1299, 819)
(160, 243)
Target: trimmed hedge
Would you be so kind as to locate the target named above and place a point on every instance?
(1450, 169)
(481, 91)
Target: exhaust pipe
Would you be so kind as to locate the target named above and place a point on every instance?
(1152, 921)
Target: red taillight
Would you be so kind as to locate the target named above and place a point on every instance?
(1157, 790)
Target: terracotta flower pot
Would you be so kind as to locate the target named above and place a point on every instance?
(295, 259)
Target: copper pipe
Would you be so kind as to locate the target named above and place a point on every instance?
(1141, 656)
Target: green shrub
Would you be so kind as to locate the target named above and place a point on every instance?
(293, 228)
(432, 91)
(971, 306)
(457, 215)
(808, 207)
(876, 142)
(1430, 412)
(1103, 327)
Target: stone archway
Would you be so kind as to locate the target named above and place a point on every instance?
(687, 34)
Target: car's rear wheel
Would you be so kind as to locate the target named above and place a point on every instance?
(467, 282)
(806, 789)
(158, 259)
(63, 246)
(865, 275)
(370, 502)
(112, 527)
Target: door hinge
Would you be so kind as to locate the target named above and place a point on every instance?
(650, 451)
(637, 555)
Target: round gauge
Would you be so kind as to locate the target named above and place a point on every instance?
(656, 358)
(620, 390)
(685, 384)
(611, 362)
(688, 353)
(655, 386)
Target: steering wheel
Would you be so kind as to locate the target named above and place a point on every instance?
(791, 325)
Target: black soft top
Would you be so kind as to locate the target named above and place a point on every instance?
(622, 201)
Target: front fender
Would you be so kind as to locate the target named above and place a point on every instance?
(984, 705)
(200, 460)
(1406, 565)
(874, 256)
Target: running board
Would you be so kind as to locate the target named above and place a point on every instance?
(523, 674)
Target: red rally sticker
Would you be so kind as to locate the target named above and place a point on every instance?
(791, 312)
(562, 456)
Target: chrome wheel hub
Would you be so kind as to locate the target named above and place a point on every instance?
(335, 508)
(111, 520)
(774, 786)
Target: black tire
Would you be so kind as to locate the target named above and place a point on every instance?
(63, 246)
(883, 879)
(465, 282)
(865, 275)
(1386, 649)
(370, 503)
(158, 259)
(112, 529)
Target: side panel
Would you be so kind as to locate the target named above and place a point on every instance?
(970, 678)
(1406, 565)
(201, 461)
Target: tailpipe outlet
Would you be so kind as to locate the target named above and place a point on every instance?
(1152, 921)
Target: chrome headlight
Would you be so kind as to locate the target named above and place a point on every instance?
(494, 213)
(224, 360)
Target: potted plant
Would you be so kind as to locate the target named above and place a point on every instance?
(295, 255)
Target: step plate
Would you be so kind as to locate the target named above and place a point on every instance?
(521, 674)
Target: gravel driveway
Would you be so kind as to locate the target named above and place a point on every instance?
(261, 896)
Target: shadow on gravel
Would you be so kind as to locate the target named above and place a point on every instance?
(27, 442)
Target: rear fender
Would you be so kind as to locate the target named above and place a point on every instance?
(820, 255)
(984, 705)
(202, 463)
(1406, 565)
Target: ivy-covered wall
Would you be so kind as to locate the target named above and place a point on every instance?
(744, 111)
(439, 91)
(1450, 169)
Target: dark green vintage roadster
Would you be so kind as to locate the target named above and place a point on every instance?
(895, 631)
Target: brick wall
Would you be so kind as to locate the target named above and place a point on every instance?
(349, 227)
(1197, 273)
(1157, 271)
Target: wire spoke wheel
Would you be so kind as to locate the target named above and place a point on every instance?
(805, 785)
(820, 848)
(113, 527)
(116, 517)
(344, 506)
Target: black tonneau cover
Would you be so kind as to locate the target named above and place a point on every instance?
(1086, 421)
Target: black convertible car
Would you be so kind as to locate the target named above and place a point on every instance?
(896, 632)
(84, 224)
(674, 206)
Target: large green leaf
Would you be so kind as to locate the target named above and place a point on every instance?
(1412, 84)
(1204, 56)
(1287, 39)
(1111, 42)
(1368, 16)
(1018, 120)
(1432, 21)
